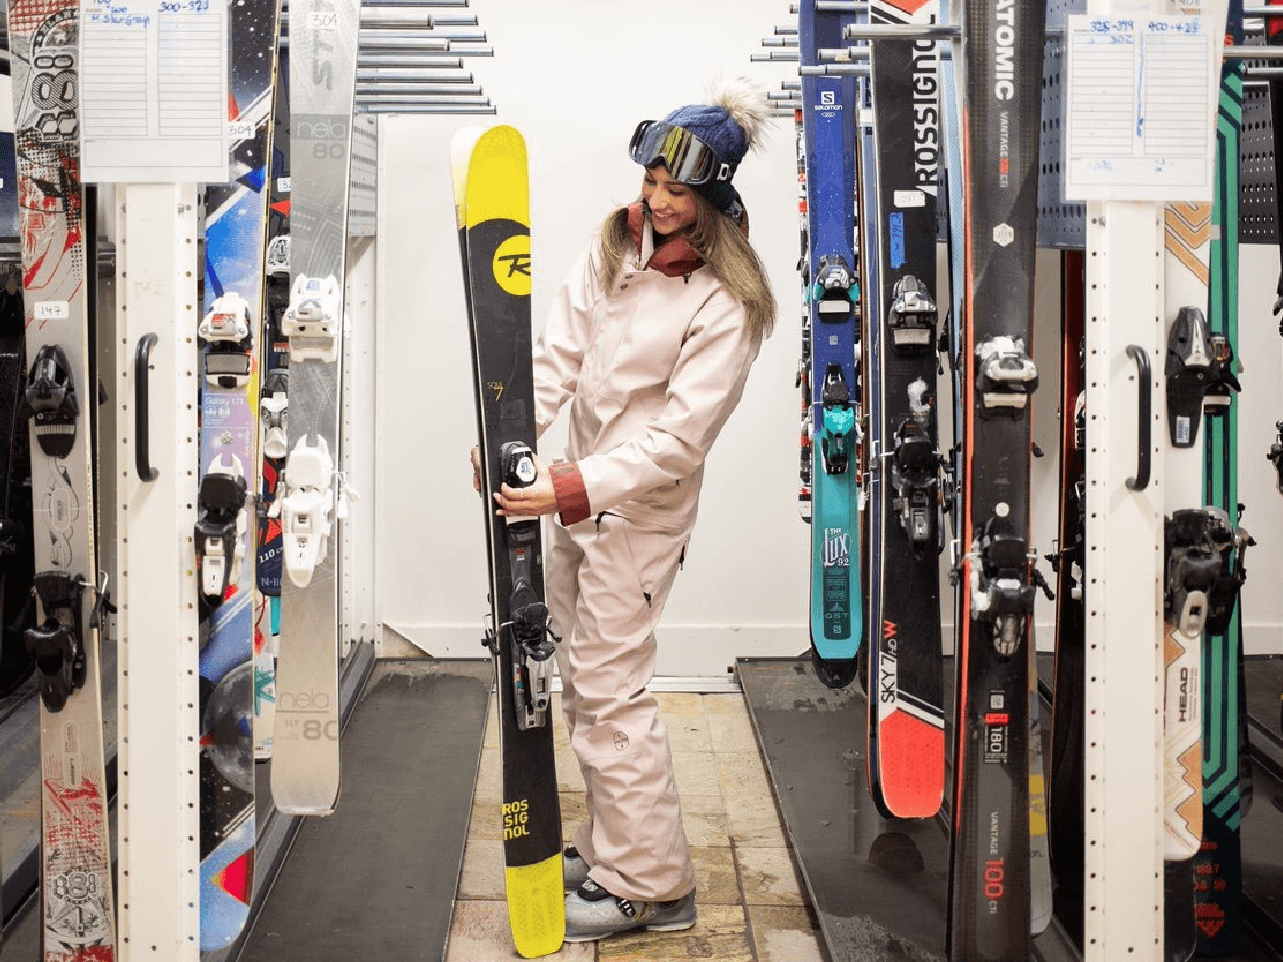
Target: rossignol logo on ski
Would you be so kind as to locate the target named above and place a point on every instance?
(888, 673)
(926, 115)
(511, 265)
(516, 819)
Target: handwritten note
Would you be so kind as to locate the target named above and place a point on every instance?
(153, 91)
(1140, 108)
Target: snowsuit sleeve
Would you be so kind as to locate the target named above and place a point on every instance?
(704, 388)
(559, 352)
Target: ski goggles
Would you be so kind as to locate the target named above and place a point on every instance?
(689, 160)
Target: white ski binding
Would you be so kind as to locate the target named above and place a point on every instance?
(274, 406)
(307, 510)
(1007, 376)
(312, 321)
(226, 329)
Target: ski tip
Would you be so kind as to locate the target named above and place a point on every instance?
(536, 907)
(498, 185)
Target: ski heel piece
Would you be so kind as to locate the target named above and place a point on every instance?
(1000, 593)
(912, 318)
(220, 527)
(834, 291)
(57, 642)
(915, 474)
(1006, 376)
(1232, 543)
(1193, 565)
(49, 400)
(307, 508)
(226, 331)
(839, 420)
(1222, 383)
(312, 321)
(1189, 364)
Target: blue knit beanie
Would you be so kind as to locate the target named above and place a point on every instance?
(714, 125)
(730, 126)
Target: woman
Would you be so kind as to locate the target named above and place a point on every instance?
(650, 341)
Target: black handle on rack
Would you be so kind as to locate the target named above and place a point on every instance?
(142, 364)
(1144, 378)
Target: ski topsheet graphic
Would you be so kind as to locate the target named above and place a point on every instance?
(230, 332)
(493, 206)
(828, 123)
(76, 886)
(902, 477)
(1001, 97)
(311, 497)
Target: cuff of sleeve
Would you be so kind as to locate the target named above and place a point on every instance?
(572, 496)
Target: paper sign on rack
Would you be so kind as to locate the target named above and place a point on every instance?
(1139, 117)
(153, 91)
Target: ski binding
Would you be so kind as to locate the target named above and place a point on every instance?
(312, 321)
(274, 406)
(912, 317)
(1006, 376)
(220, 527)
(839, 420)
(50, 401)
(1193, 564)
(1222, 384)
(57, 643)
(528, 631)
(226, 329)
(915, 476)
(1232, 543)
(834, 289)
(308, 509)
(1189, 362)
(1000, 594)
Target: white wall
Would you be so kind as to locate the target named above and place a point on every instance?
(575, 77)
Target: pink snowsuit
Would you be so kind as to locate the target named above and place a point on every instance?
(652, 370)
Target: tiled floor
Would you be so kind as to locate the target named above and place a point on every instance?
(752, 907)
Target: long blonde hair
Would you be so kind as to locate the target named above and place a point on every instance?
(721, 244)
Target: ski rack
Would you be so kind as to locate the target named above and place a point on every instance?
(156, 384)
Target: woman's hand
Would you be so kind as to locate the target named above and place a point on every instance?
(476, 469)
(530, 502)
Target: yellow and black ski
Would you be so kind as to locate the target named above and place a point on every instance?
(493, 204)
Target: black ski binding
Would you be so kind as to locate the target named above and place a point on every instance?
(1232, 543)
(227, 332)
(912, 318)
(915, 474)
(57, 643)
(1192, 567)
(1189, 361)
(839, 420)
(531, 657)
(1005, 377)
(50, 401)
(833, 290)
(1001, 594)
(220, 528)
(1222, 384)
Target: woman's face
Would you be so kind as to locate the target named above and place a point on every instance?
(672, 203)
